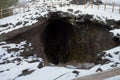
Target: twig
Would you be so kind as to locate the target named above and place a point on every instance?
(61, 75)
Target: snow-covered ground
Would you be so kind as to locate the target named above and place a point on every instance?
(28, 16)
(116, 2)
(15, 67)
(114, 78)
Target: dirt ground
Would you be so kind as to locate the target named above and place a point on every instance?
(102, 75)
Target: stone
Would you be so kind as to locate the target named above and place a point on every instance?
(76, 12)
(70, 10)
(114, 65)
(99, 70)
(97, 2)
(18, 23)
(76, 72)
(41, 64)
(78, 2)
(112, 22)
(109, 55)
(26, 72)
(4, 25)
(116, 52)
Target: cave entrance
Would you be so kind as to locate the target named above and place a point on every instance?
(56, 36)
(64, 42)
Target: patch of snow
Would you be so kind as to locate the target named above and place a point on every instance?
(116, 2)
(13, 70)
(113, 78)
(116, 32)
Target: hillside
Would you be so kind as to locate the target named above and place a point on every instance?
(90, 37)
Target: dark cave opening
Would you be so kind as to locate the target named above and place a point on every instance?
(56, 36)
(64, 42)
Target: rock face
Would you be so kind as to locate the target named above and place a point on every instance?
(61, 39)
(32, 35)
(64, 42)
(78, 1)
(90, 39)
(81, 2)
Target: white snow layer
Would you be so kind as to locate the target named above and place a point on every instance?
(28, 16)
(13, 66)
(116, 2)
(114, 78)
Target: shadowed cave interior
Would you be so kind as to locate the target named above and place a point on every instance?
(56, 38)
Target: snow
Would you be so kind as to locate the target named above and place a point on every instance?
(28, 16)
(13, 68)
(115, 32)
(12, 64)
(41, 73)
(115, 53)
(116, 2)
(114, 78)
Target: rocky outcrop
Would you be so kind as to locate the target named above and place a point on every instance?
(89, 39)
(81, 2)
(76, 39)
(32, 34)
(65, 38)
(78, 1)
